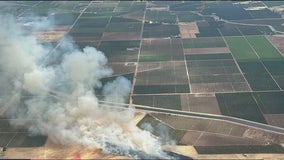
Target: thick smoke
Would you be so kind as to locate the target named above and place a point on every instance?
(59, 100)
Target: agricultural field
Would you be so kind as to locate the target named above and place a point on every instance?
(239, 149)
(120, 51)
(161, 77)
(240, 48)
(222, 59)
(263, 48)
(159, 101)
(199, 103)
(215, 75)
(257, 76)
(241, 105)
(275, 68)
(161, 50)
(204, 42)
(277, 42)
(160, 17)
(160, 30)
(188, 17)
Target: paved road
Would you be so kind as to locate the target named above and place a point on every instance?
(202, 115)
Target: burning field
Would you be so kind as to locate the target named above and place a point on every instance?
(59, 101)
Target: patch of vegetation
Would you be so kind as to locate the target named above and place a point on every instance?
(241, 105)
(159, 101)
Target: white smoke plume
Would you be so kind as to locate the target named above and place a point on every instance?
(59, 100)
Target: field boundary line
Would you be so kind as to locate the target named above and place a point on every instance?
(259, 59)
(234, 58)
(185, 63)
(274, 46)
(138, 57)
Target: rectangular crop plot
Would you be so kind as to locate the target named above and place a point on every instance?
(208, 56)
(160, 30)
(256, 75)
(263, 47)
(239, 149)
(210, 42)
(207, 31)
(5, 138)
(278, 42)
(157, 128)
(199, 51)
(159, 101)
(92, 22)
(161, 50)
(209, 139)
(184, 123)
(160, 16)
(241, 105)
(240, 48)
(275, 119)
(275, 67)
(215, 75)
(270, 102)
(188, 17)
(120, 51)
(197, 103)
(86, 34)
(124, 27)
(154, 89)
(25, 140)
(164, 73)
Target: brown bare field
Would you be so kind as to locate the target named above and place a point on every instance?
(197, 103)
(190, 138)
(217, 50)
(212, 139)
(188, 30)
(61, 28)
(50, 36)
(275, 119)
(183, 123)
(225, 128)
(184, 150)
(219, 87)
(56, 151)
(138, 117)
(121, 36)
(278, 42)
(161, 73)
(264, 136)
(122, 68)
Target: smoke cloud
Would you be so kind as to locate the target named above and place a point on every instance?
(58, 100)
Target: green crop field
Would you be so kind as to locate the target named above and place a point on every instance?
(275, 67)
(124, 27)
(256, 75)
(270, 102)
(159, 101)
(241, 105)
(240, 48)
(264, 48)
(160, 16)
